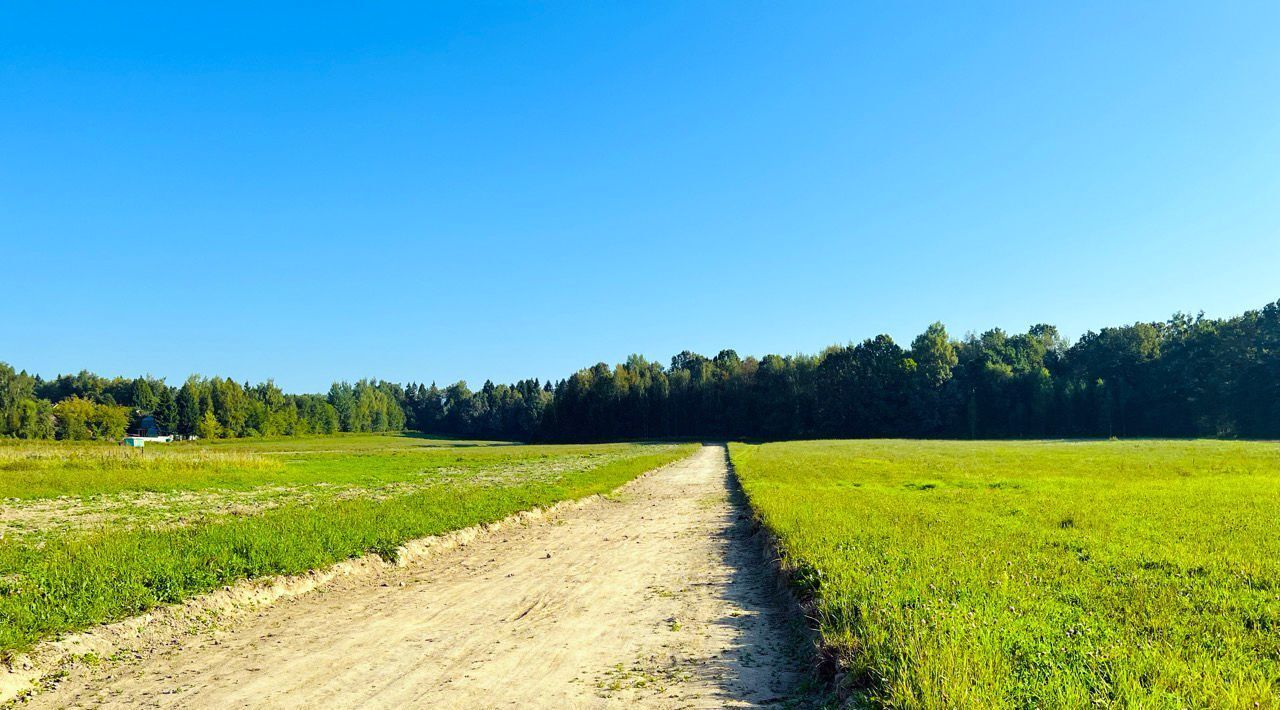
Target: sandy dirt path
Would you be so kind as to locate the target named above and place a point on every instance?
(655, 596)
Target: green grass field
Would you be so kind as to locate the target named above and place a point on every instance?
(92, 533)
(1034, 574)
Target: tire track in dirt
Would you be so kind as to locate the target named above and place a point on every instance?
(656, 596)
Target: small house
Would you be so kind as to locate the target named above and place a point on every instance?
(145, 426)
(146, 429)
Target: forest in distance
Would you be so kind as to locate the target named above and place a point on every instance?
(1189, 376)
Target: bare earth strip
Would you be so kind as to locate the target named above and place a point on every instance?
(656, 597)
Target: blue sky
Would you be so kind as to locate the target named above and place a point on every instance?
(311, 192)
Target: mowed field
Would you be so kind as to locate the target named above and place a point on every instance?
(1034, 574)
(92, 533)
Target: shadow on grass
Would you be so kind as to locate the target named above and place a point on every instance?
(772, 647)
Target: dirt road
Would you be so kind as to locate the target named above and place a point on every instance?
(655, 596)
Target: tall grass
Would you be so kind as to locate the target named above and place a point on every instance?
(346, 441)
(49, 470)
(1064, 574)
(122, 458)
(75, 580)
(41, 471)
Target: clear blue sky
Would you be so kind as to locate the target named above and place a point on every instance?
(314, 191)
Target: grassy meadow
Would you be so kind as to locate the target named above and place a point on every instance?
(1034, 574)
(92, 533)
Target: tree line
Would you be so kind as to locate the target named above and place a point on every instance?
(1187, 376)
(87, 406)
(1184, 377)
